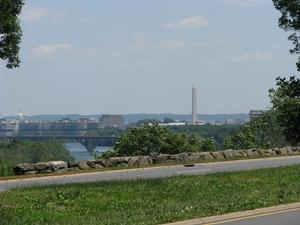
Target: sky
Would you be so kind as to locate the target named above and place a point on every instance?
(143, 56)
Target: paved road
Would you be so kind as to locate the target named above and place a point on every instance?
(284, 218)
(198, 169)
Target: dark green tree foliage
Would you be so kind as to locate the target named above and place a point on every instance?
(290, 21)
(10, 31)
(155, 139)
(286, 102)
(5, 169)
(262, 132)
(32, 152)
(218, 132)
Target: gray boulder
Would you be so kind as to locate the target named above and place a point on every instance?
(20, 169)
(217, 155)
(288, 150)
(144, 161)
(269, 152)
(206, 156)
(115, 161)
(252, 153)
(73, 164)
(228, 154)
(183, 157)
(83, 165)
(99, 166)
(30, 172)
(133, 161)
(42, 167)
(161, 158)
(58, 166)
(195, 156)
(240, 153)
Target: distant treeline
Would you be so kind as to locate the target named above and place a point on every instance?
(133, 118)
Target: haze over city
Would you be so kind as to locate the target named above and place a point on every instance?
(144, 56)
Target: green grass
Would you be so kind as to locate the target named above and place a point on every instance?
(150, 201)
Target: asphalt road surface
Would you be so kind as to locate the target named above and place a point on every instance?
(282, 218)
(155, 172)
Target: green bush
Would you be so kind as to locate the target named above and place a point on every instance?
(5, 169)
(155, 139)
(16, 152)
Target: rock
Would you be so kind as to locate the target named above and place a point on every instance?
(206, 156)
(296, 149)
(228, 154)
(252, 153)
(144, 161)
(133, 161)
(30, 172)
(261, 152)
(91, 163)
(280, 151)
(100, 162)
(115, 161)
(22, 168)
(164, 158)
(58, 166)
(42, 166)
(73, 164)
(288, 150)
(240, 153)
(195, 156)
(269, 152)
(98, 166)
(83, 165)
(183, 157)
(217, 155)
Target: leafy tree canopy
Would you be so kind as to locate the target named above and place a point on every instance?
(290, 21)
(286, 101)
(155, 139)
(261, 132)
(10, 31)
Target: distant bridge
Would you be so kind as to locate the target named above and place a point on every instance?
(90, 142)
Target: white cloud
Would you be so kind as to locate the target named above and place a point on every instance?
(64, 51)
(139, 41)
(36, 14)
(210, 44)
(247, 57)
(173, 44)
(187, 23)
(242, 2)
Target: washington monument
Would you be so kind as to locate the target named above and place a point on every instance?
(194, 105)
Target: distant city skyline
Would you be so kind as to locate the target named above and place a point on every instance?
(139, 56)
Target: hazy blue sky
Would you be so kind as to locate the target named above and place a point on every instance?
(130, 56)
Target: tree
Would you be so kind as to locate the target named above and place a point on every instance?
(10, 31)
(290, 21)
(286, 101)
(144, 140)
(262, 132)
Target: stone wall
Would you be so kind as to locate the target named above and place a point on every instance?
(144, 161)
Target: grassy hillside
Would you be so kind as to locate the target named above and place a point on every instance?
(150, 201)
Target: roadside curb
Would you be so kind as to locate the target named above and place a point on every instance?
(240, 215)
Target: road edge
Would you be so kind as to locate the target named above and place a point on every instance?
(239, 215)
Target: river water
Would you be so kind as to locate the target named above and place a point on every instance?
(79, 152)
